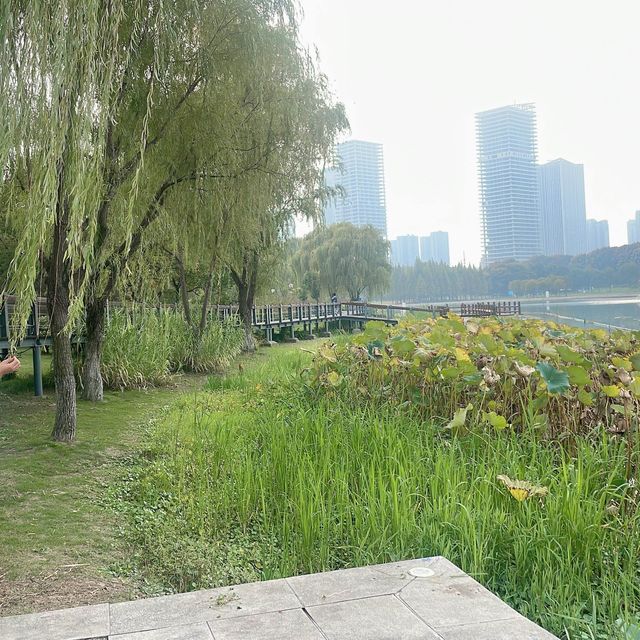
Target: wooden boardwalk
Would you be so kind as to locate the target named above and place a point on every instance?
(305, 316)
(282, 316)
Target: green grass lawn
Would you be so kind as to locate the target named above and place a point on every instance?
(57, 538)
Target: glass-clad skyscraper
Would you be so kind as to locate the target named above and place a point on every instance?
(563, 216)
(360, 174)
(507, 154)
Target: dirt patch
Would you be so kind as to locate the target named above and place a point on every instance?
(59, 589)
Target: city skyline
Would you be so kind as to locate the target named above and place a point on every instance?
(427, 127)
(434, 247)
(506, 143)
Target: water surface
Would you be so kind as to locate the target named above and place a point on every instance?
(616, 313)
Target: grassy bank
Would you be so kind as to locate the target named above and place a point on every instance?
(58, 541)
(254, 479)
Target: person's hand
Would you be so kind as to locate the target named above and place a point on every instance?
(10, 365)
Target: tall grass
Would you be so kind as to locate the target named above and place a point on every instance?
(252, 481)
(143, 347)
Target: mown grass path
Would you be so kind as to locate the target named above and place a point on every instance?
(57, 539)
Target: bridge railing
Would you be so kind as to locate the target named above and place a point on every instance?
(275, 315)
(37, 323)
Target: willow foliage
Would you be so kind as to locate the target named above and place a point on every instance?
(115, 112)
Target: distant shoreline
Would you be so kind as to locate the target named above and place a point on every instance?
(526, 300)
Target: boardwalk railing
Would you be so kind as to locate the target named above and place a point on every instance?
(279, 315)
(263, 317)
(276, 315)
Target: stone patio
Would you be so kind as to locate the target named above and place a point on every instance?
(424, 599)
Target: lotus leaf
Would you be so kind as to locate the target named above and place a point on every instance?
(634, 387)
(578, 375)
(622, 363)
(585, 397)
(569, 355)
(498, 422)
(557, 381)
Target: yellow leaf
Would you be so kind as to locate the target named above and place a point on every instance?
(611, 391)
(522, 489)
(462, 355)
(519, 494)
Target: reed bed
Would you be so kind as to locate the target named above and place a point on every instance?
(143, 347)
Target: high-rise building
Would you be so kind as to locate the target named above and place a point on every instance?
(435, 247)
(597, 234)
(633, 229)
(563, 216)
(507, 155)
(405, 250)
(360, 174)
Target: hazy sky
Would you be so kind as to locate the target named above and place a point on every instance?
(412, 74)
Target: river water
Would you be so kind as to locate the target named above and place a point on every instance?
(623, 313)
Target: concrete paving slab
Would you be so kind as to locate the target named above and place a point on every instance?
(78, 623)
(425, 598)
(294, 624)
(377, 618)
(442, 601)
(517, 628)
(437, 564)
(347, 584)
(201, 606)
(183, 632)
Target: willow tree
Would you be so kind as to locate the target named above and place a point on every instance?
(92, 98)
(197, 103)
(299, 135)
(281, 132)
(347, 259)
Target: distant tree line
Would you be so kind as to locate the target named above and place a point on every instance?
(431, 281)
(428, 281)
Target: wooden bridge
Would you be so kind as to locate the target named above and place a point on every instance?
(355, 314)
(285, 318)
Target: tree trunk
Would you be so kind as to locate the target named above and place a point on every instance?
(64, 429)
(91, 370)
(246, 293)
(245, 310)
(183, 288)
(207, 298)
